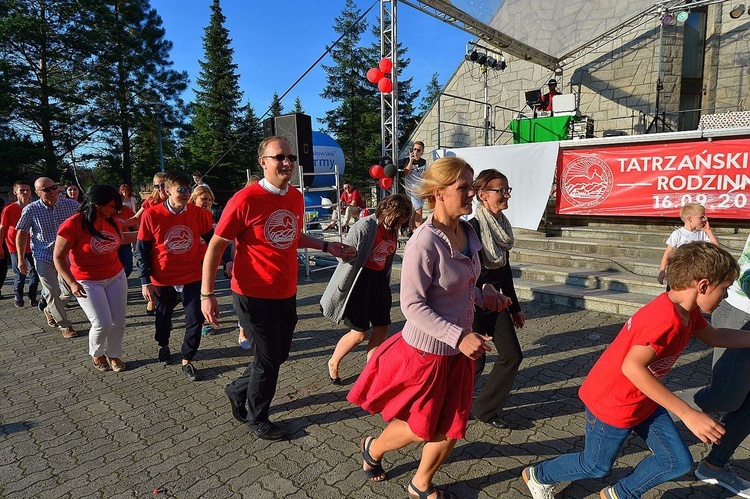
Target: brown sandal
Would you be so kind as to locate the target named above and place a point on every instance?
(116, 364)
(102, 365)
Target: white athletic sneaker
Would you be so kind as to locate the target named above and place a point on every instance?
(724, 477)
(538, 490)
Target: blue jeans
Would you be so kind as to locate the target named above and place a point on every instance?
(19, 279)
(729, 391)
(670, 459)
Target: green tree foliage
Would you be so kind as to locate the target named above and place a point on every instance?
(431, 94)
(355, 121)
(46, 49)
(250, 138)
(217, 105)
(298, 106)
(131, 80)
(276, 108)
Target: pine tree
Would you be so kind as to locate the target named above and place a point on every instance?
(431, 94)
(276, 108)
(217, 104)
(46, 50)
(132, 74)
(355, 121)
(250, 130)
(298, 106)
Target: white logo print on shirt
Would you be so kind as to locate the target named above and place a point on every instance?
(179, 239)
(281, 229)
(102, 246)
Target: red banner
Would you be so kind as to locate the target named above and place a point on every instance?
(656, 179)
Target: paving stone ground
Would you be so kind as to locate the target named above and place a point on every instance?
(67, 430)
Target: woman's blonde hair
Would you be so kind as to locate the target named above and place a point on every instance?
(440, 174)
(199, 191)
(155, 196)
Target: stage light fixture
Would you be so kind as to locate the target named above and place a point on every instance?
(482, 59)
(491, 62)
(667, 19)
(473, 56)
(737, 11)
(682, 16)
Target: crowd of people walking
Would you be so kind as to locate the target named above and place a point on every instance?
(456, 293)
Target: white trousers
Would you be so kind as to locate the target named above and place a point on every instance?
(104, 305)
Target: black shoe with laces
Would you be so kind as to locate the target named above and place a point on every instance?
(190, 372)
(239, 411)
(269, 431)
(165, 355)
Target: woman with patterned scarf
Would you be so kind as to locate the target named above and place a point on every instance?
(496, 235)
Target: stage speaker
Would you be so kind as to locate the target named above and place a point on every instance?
(297, 128)
(269, 128)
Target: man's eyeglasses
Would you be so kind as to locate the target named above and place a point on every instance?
(49, 189)
(505, 191)
(184, 190)
(160, 187)
(281, 157)
(416, 149)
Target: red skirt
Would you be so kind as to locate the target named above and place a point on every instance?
(431, 393)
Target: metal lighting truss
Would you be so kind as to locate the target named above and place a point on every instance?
(389, 101)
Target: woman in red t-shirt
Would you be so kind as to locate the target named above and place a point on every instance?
(85, 255)
(359, 293)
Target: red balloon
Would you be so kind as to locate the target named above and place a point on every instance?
(386, 183)
(376, 171)
(385, 85)
(385, 65)
(374, 75)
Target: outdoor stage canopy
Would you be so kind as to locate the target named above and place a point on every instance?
(551, 33)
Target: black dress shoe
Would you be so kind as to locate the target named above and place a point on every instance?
(165, 356)
(269, 431)
(239, 411)
(497, 423)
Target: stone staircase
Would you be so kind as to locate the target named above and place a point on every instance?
(603, 267)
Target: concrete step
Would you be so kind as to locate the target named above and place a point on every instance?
(607, 248)
(567, 261)
(654, 236)
(599, 300)
(621, 282)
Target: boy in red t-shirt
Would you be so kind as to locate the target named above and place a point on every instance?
(623, 392)
(171, 243)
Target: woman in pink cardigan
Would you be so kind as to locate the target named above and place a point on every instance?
(421, 379)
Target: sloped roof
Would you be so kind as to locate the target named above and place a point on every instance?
(544, 31)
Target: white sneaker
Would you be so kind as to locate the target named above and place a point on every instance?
(724, 477)
(538, 490)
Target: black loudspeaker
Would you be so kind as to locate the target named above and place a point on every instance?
(269, 128)
(297, 128)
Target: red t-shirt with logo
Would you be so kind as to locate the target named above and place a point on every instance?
(126, 213)
(607, 392)
(266, 229)
(178, 248)
(91, 258)
(383, 247)
(8, 219)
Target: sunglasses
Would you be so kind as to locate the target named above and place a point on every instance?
(160, 187)
(505, 191)
(184, 190)
(417, 150)
(281, 157)
(49, 189)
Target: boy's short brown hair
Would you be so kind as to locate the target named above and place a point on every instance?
(689, 209)
(700, 260)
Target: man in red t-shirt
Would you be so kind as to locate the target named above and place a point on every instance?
(352, 203)
(8, 220)
(265, 221)
(171, 243)
(547, 98)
